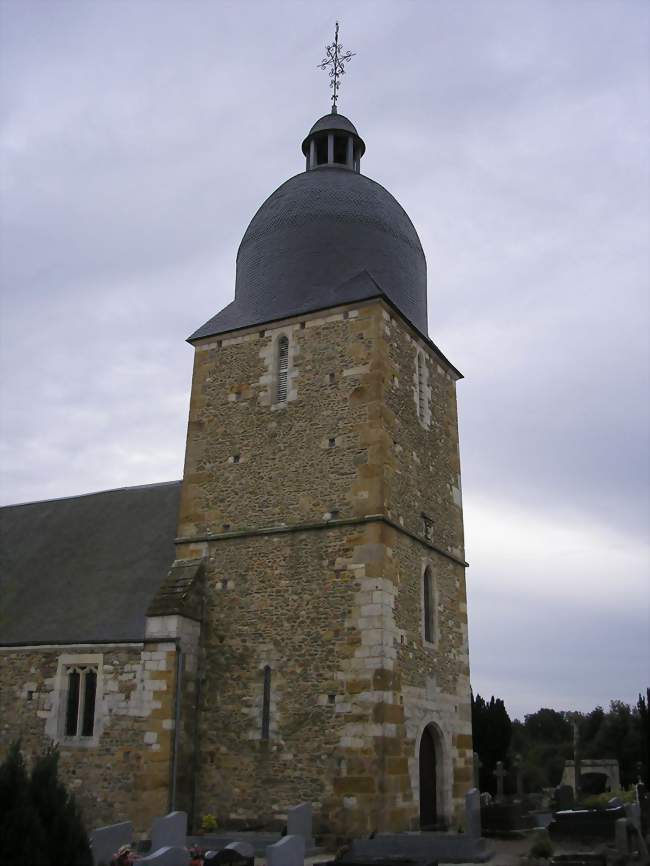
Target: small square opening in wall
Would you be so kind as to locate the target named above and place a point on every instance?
(224, 583)
(331, 378)
(219, 344)
(331, 699)
(30, 695)
(331, 442)
(334, 513)
(236, 458)
(302, 326)
(226, 527)
(346, 315)
(262, 333)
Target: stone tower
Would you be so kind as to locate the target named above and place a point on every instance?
(322, 494)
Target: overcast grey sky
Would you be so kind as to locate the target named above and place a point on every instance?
(139, 138)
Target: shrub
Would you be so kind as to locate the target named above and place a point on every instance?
(40, 823)
(541, 846)
(208, 824)
(600, 801)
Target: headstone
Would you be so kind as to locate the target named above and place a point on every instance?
(614, 803)
(519, 770)
(486, 798)
(477, 771)
(234, 854)
(168, 855)
(169, 831)
(289, 851)
(500, 773)
(105, 841)
(564, 798)
(299, 823)
(622, 844)
(473, 813)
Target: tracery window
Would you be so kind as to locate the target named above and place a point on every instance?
(282, 370)
(81, 691)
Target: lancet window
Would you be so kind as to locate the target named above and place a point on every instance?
(428, 605)
(266, 704)
(80, 700)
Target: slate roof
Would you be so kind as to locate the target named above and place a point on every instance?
(314, 242)
(86, 568)
(332, 122)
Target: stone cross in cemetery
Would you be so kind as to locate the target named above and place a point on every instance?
(477, 771)
(519, 770)
(500, 773)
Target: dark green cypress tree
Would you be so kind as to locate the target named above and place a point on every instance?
(60, 816)
(22, 836)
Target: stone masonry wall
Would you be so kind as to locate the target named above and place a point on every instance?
(310, 513)
(123, 773)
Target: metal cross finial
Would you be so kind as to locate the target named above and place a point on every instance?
(335, 60)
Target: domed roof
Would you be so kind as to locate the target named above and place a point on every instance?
(325, 237)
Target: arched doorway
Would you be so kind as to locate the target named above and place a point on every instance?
(428, 780)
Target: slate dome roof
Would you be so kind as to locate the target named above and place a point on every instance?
(333, 121)
(327, 236)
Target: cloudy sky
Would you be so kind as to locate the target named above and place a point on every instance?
(138, 139)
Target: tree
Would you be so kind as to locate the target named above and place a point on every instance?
(59, 813)
(40, 823)
(22, 837)
(491, 732)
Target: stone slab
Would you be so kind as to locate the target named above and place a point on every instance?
(169, 855)
(289, 851)
(169, 831)
(299, 823)
(105, 841)
(473, 813)
(422, 847)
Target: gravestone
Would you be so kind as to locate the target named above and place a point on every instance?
(169, 831)
(234, 854)
(477, 764)
(564, 798)
(614, 803)
(168, 855)
(299, 823)
(519, 770)
(505, 818)
(622, 842)
(500, 773)
(105, 841)
(473, 813)
(583, 823)
(289, 851)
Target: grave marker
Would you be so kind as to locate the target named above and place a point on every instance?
(299, 823)
(289, 851)
(169, 831)
(500, 773)
(473, 813)
(105, 841)
(169, 855)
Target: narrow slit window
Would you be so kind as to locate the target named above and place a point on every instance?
(266, 704)
(90, 690)
(282, 370)
(421, 387)
(428, 605)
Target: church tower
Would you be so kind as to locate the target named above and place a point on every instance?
(321, 494)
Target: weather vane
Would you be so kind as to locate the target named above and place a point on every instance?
(336, 61)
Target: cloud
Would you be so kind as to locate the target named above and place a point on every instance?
(138, 140)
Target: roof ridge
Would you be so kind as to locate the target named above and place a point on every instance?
(92, 493)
